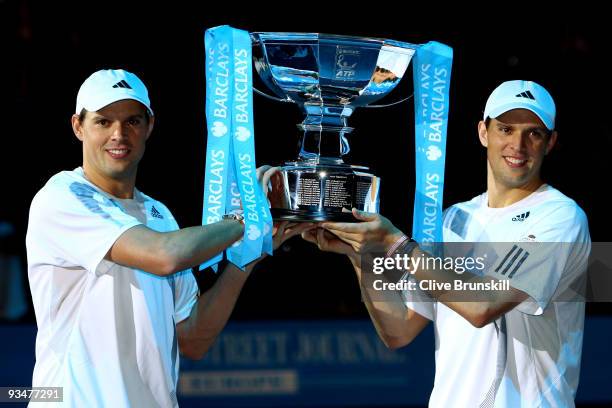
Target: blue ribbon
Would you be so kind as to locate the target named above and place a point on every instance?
(250, 248)
(431, 72)
(229, 111)
(219, 94)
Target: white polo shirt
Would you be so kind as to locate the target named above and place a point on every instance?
(106, 333)
(529, 357)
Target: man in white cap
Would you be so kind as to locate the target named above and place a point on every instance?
(515, 346)
(114, 297)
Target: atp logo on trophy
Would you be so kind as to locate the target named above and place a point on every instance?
(346, 62)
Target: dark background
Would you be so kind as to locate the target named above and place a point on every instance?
(49, 49)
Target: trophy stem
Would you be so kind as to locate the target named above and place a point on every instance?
(324, 138)
(323, 144)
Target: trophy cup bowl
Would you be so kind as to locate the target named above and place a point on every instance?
(328, 77)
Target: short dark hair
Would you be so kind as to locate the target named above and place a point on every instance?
(83, 113)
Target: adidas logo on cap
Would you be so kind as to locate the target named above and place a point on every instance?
(526, 94)
(122, 84)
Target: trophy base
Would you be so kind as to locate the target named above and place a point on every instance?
(280, 214)
(313, 192)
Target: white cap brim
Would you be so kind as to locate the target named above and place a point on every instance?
(500, 110)
(105, 100)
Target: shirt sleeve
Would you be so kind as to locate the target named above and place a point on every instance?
(185, 294)
(74, 225)
(549, 266)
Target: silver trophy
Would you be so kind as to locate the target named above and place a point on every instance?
(328, 76)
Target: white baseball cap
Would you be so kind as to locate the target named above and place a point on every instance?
(111, 85)
(522, 95)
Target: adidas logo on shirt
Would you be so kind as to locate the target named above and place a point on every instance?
(526, 94)
(521, 217)
(156, 214)
(122, 84)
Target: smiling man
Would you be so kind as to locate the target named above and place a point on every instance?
(114, 297)
(518, 131)
(516, 347)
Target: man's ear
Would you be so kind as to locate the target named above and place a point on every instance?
(151, 123)
(482, 133)
(77, 128)
(552, 141)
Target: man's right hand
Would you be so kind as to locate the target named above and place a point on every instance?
(328, 242)
(374, 234)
